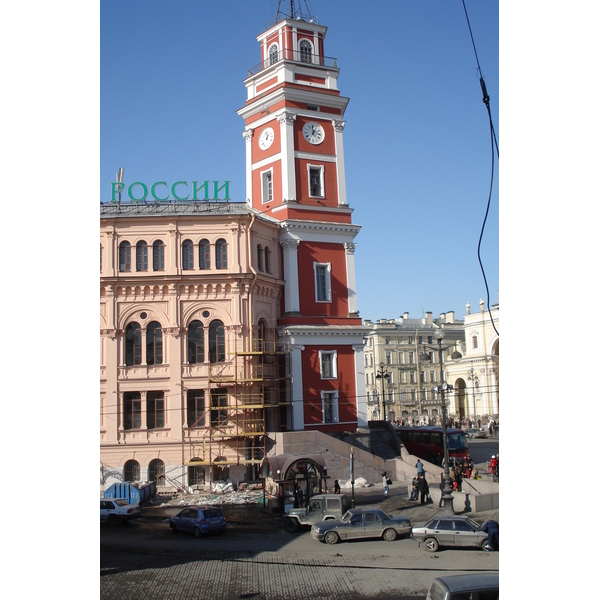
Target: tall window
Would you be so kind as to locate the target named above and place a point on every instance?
(328, 362)
(474, 342)
(124, 256)
(322, 282)
(216, 342)
(187, 255)
(131, 471)
(315, 180)
(156, 471)
(196, 342)
(204, 252)
(155, 410)
(259, 257)
(221, 254)
(158, 256)
(330, 407)
(305, 51)
(266, 178)
(132, 410)
(133, 344)
(141, 256)
(195, 408)
(154, 346)
(273, 54)
(267, 259)
(218, 400)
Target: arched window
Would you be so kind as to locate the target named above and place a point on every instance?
(216, 342)
(158, 256)
(141, 256)
(273, 54)
(221, 254)
(156, 471)
(259, 257)
(204, 249)
(196, 342)
(124, 256)
(262, 335)
(196, 474)
(306, 51)
(154, 346)
(187, 255)
(267, 259)
(133, 344)
(131, 471)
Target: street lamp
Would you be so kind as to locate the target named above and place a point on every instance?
(471, 376)
(443, 389)
(384, 376)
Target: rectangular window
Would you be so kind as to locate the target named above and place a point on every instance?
(195, 408)
(328, 362)
(158, 256)
(432, 376)
(315, 182)
(218, 400)
(411, 358)
(132, 410)
(330, 407)
(413, 377)
(155, 410)
(322, 282)
(388, 358)
(266, 178)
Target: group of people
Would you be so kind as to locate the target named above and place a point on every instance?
(420, 487)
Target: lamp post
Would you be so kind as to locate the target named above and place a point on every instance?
(475, 379)
(443, 389)
(384, 376)
(352, 473)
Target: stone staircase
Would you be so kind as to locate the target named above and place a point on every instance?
(384, 441)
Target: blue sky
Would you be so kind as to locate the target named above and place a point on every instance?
(416, 142)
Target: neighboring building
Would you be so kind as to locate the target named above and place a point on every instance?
(221, 321)
(395, 366)
(476, 376)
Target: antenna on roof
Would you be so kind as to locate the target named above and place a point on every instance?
(120, 180)
(295, 12)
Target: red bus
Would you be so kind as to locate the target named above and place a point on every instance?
(427, 443)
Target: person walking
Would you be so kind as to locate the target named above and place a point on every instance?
(423, 489)
(458, 474)
(336, 487)
(492, 528)
(493, 468)
(420, 468)
(386, 486)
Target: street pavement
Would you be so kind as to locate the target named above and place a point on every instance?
(183, 575)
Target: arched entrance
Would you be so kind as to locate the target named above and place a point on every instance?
(460, 398)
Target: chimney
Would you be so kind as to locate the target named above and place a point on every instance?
(450, 316)
(405, 316)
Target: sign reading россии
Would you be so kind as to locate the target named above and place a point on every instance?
(160, 191)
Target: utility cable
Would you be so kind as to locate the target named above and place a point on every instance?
(494, 143)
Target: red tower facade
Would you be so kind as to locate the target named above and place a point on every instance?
(295, 175)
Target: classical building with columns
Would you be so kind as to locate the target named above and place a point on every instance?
(224, 321)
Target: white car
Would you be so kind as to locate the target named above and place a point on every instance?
(117, 510)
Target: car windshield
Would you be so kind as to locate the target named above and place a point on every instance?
(472, 524)
(456, 441)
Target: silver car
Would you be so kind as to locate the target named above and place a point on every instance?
(452, 532)
(478, 586)
(361, 523)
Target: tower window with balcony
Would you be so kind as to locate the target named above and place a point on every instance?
(273, 54)
(266, 178)
(306, 51)
(315, 180)
(322, 282)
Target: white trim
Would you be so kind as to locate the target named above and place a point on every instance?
(321, 169)
(264, 175)
(333, 354)
(327, 267)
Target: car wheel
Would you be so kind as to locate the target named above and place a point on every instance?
(291, 525)
(484, 544)
(113, 519)
(331, 537)
(431, 544)
(197, 532)
(389, 535)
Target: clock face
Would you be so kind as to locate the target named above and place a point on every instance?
(266, 138)
(313, 133)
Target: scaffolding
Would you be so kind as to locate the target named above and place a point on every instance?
(246, 394)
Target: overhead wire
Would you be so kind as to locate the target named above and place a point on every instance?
(494, 144)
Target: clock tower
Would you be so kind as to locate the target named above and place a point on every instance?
(294, 124)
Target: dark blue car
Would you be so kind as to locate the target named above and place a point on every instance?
(199, 520)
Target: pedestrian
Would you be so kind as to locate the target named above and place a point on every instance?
(336, 487)
(386, 486)
(492, 528)
(414, 493)
(300, 497)
(468, 466)
(458, 476)
(420, 468)
(423, 489)
(493, 468)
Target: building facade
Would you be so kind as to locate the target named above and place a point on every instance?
(402, 366)
(223, 321)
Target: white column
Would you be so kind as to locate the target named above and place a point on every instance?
(359, 382)
(338, 127)
(297, 395)
(351, 277)
(288, 170)
(290, 270)
(248, 137)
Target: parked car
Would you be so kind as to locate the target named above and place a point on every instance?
(199, 520)
(320, 508)
(117, 510)
(361, 523)
(477, 586)
(476, 433)
(452, 532)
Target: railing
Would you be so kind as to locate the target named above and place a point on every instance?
(295, 56)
